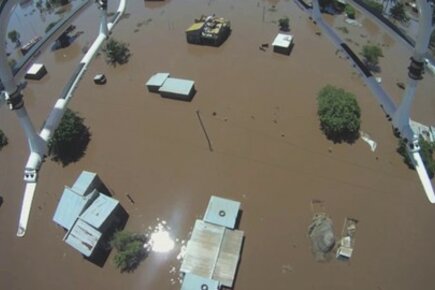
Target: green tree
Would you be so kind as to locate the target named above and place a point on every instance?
(375, 5)
(116, 52)
(130, 250)
(427, 150)
(14, 36)
(339, 114)
(350, 11)
(371, 54)
(70, 139)
(3, 140)
(284, 23)
(398, 12)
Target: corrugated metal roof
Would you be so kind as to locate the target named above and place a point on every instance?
(213, 252)
(195, 282)
(177, 86)
(222, 211)
(97, 213)
(157, 80)
(81, 186)
(195, 26)
(83, 237)
(70, 207)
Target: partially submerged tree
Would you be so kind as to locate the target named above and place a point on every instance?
(284, 23)
(427, 150)
(14, 37)
(350, 11)
(339, 114)
(3, 140)
(371, 54)
(130, 250)
(116, 52)
(70, 139)
(398, 12)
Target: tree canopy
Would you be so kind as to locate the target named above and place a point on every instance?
(3, 140)
(371, 54)
(116, 52)
(339, 114)
(70, 139)
(130, 250)
(350, 11)
(427, 150)
(14, 36)
(284, 23)
(398, 12)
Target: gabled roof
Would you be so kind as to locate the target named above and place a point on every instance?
(70, 206)
(100, 209)
(83, 237)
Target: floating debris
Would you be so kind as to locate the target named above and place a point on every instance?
(366, 138)
(347, 241)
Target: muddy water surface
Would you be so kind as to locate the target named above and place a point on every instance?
(259, 109)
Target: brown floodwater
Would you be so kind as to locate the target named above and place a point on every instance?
(259, 110)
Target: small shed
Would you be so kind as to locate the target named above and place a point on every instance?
(195, 282)
(156, 81)
(70, 206)
(100, 79)
(36, 72)
(222, 212)
(282, 43)
(179, 89)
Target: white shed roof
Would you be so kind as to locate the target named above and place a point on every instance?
(157, 80)
(35, 68)
(282, 40)
(83, 237)
(177, 86)
(222, 211)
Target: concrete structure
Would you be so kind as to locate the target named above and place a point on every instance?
(213, 251)
(208, 30)
(156, 81)
(179, 89)
(36, 72)
(88, 215)
(282, 43)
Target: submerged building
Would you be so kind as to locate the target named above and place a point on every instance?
(213, 251)
(87, 214)
(208, 30)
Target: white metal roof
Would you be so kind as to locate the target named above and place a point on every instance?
(83, 237)
(177, 86)
(282, 40)
(157, 80)
(222, 211)
(100, 209)
(213, 252)
(35, 68)
(195, 282)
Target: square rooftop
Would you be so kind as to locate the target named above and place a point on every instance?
(157, 80)
(282, 40)
(177, 86)
(222, 212)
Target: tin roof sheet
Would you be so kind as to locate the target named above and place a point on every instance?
(83, 182)
(157, 79)
(195, 282)
(98, 212)
(83, 237)
(177, 86)
(222, 211)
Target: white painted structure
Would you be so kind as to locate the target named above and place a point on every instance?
(13, 97)
(282, 43)
(36, 72)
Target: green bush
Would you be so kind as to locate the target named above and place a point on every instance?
(284, 23)
(70, 139)
(130, 250)
(378, 7)
(350, 11)
(427, 150)
(3, 140)
(371, 54)
(14, 36)
(116, 52)
(339, 114)
(398, 12)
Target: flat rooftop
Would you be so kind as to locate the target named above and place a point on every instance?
(177, 86)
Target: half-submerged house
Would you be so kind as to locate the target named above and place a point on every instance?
(213, 251)
(208, 30)
(87, 214)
